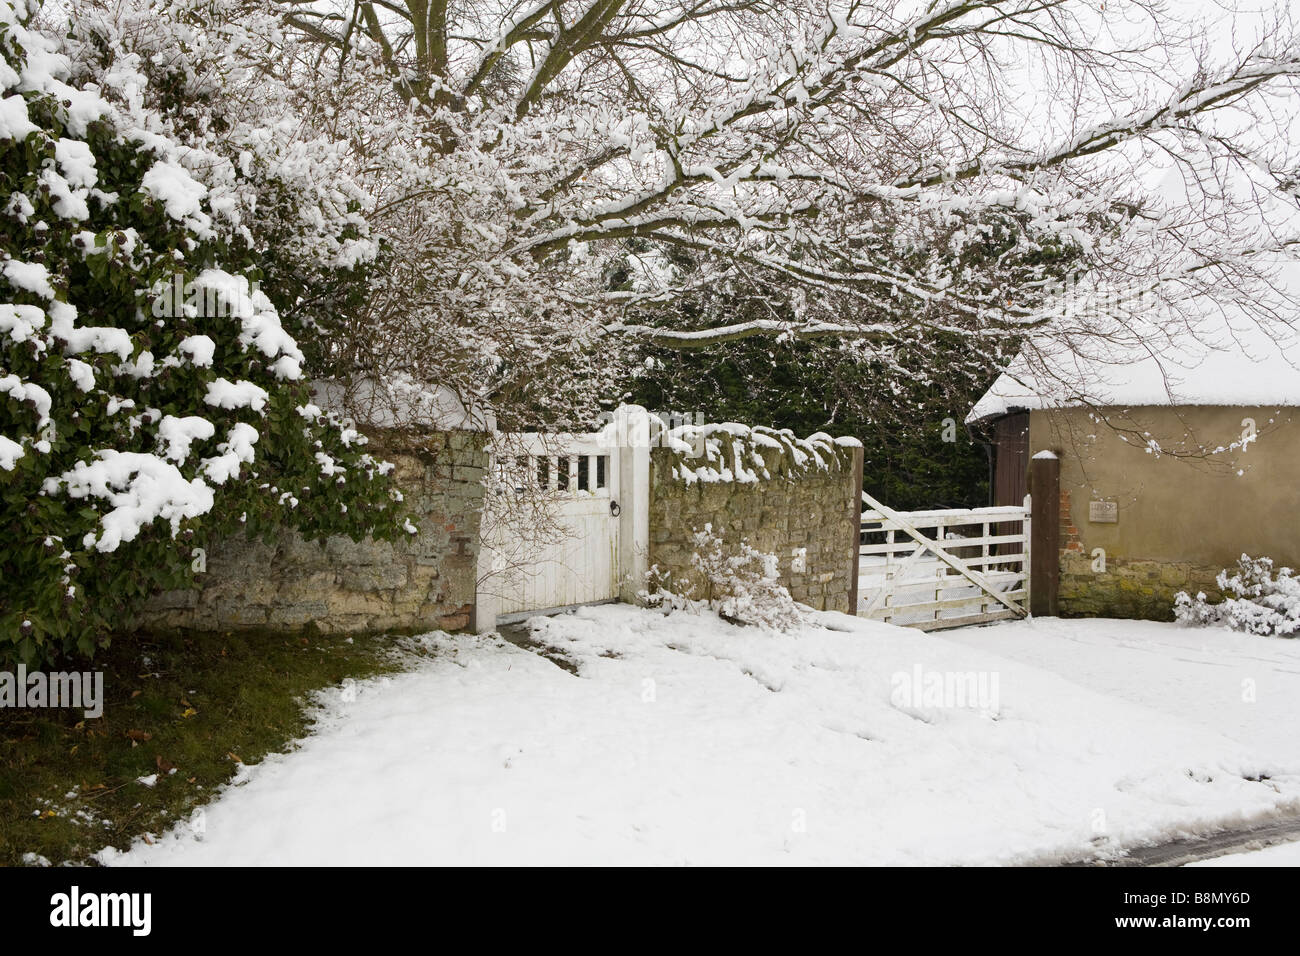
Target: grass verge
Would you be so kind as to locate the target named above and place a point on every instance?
(188, 708)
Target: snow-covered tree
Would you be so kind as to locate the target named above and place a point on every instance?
(150, 395)
(831, 160)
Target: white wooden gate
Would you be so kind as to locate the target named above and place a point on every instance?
(551, 528)
(937, 569)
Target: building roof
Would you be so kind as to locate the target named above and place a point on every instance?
(1220, 356)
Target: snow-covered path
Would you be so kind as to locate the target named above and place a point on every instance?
(687, 740)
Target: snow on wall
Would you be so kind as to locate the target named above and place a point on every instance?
(397, 403)
(731, 452)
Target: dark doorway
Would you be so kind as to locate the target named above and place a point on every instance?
(1011, 459)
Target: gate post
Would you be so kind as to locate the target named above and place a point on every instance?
(1045, 531)
(855, 517)
(634, 501)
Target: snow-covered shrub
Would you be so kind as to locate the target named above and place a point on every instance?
(201, 73)
(150, 397)
(736, 580)
(1259, 601)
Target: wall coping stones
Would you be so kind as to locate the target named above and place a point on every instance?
(732, 452)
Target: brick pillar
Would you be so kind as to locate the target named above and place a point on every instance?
(1045, 525)
(1069, 533)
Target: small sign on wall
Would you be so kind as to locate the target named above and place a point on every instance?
(1103, 512)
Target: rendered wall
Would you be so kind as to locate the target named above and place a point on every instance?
(1182, 515)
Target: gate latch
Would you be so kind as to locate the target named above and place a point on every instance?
(615, 509)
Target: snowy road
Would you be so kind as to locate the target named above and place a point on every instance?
(1285, 854)
(686, 740)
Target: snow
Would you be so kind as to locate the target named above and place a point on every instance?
(199, 349)
(1196, 674)
(103, 339)
(29, 277)
(685, 740)
(1284, 854)
(176, 435)
(399, 401)
(76, 161)
(223, 393)
(14, 122)
(259, 323)
(236, 450)
(140, 489)
(20, 207)
(178, 191)
(87, 65)
(10, 452)
(69, 203)
(729, 451)
(19, 391)
(82, 375)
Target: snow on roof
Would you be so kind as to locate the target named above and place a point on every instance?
(1207, 356)
(1197, 342)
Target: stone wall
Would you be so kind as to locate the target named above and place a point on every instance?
(424, 582)
(1131, 588)
(781, 494)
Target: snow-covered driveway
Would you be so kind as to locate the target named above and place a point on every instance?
(687, 740)
(1242, 685)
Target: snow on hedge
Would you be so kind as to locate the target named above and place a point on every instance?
(145, 376)
(154, 486)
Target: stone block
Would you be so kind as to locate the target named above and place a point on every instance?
(298, 614)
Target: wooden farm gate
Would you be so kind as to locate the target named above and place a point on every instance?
(947, 568)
